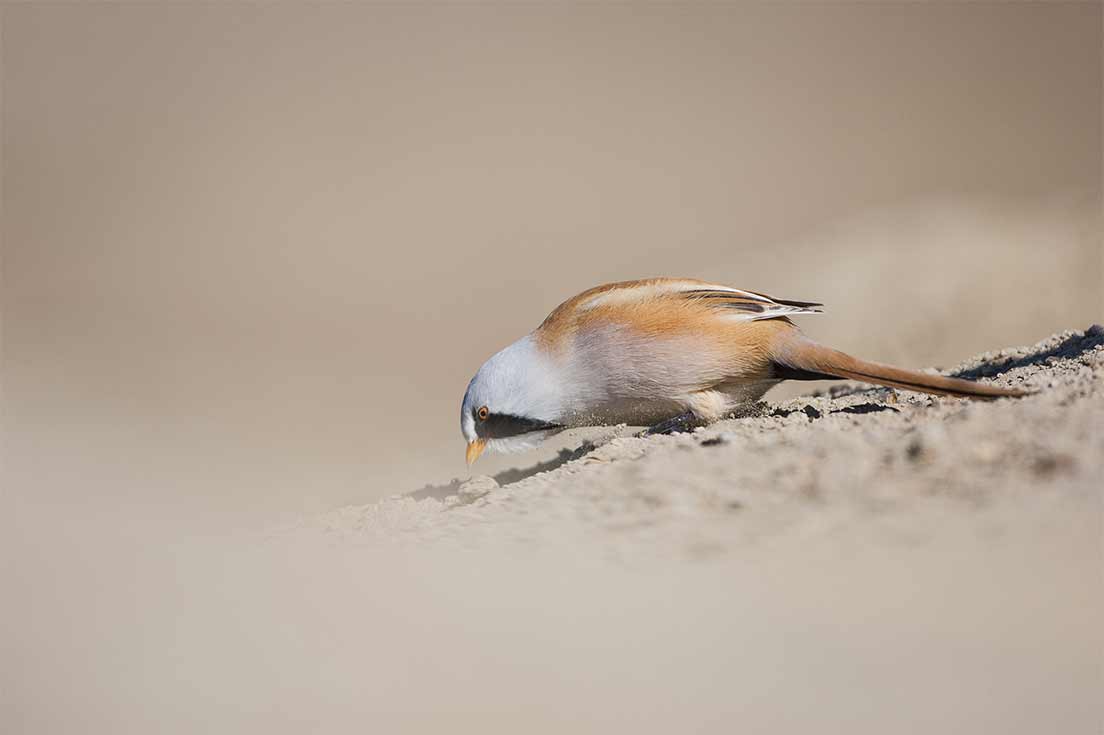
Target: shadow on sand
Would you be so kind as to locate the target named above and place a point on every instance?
(1068, 349)
(506, 477)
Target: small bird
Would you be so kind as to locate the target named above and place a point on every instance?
(668, 353)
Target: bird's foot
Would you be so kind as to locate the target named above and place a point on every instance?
(675, 425)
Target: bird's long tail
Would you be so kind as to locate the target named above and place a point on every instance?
(798, 358)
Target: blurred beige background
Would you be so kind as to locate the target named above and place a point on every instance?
(253, 254)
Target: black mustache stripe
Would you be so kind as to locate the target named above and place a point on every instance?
(503, 426)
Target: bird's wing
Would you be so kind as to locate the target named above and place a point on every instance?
(747, 305)
(732, 302)
(670, 337)
(669, 307)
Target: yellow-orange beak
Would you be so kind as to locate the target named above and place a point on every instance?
(475, 448)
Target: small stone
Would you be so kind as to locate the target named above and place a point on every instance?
(476, 487)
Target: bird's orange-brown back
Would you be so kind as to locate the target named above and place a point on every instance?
(733, 330)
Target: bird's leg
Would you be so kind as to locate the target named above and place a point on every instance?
(684, 422)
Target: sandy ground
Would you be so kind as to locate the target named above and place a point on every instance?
(859, 561)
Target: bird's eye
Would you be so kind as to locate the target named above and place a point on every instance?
(482, 413)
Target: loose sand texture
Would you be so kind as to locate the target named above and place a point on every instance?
(855, 456)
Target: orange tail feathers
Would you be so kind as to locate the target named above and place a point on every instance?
(798, 356)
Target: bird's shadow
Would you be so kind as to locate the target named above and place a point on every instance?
(506, 477)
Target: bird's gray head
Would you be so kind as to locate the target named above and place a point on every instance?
(513, 402)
